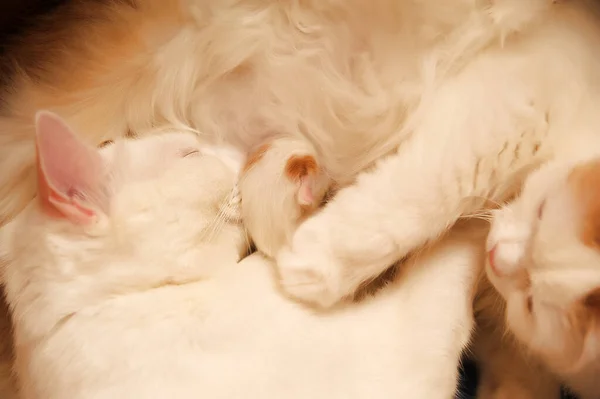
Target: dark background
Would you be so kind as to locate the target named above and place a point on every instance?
(16, 15)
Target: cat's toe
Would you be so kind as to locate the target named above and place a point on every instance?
(308, 278)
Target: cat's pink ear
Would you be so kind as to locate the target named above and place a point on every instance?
(303, 170)
(70, 172)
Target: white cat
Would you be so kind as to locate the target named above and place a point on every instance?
(124, 282)
(475, 135)
(544, 259)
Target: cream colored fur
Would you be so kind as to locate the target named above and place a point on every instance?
(271, 207)
(475, 134)
(150, 301)
(483, 90)
(548, 270)
(344, 74)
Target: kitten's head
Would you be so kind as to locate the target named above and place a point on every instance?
(544, 259)
(150, 199)
(281, 184)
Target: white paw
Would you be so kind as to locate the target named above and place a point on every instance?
(309, 271)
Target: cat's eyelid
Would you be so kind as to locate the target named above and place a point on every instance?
(530, 304)
(189, 151)
(540, 209)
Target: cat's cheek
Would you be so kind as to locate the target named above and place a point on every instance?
(520, 320)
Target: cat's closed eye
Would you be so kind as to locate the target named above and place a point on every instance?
(187, 152)
(530, 304)
(540, 211)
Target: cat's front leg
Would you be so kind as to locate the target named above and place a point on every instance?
(331, 256)
(366, 228)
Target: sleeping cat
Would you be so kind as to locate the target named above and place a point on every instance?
(124, 282)
(482, 91)
(544, 259)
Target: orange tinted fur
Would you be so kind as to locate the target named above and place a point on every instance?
(584, 181)
(299, 166)
(255, 157)
(81, 62)
(269, 188)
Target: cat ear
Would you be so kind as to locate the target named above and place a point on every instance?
(70, 172)
(303, 169)
(585, 185)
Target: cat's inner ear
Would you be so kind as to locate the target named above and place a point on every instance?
(303, 170)
(70, 173)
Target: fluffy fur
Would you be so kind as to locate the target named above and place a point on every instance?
(297, 187)
(344, 74)
(544, 259)
(8, 386)
(133, 300)
(483, 89)
(475, 134)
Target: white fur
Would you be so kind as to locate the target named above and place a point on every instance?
(482, 90)
(546, 249)
(152, 302)
(474, 135)
(271, 208)
(344, 74)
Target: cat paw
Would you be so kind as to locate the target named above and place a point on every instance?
(308, 270)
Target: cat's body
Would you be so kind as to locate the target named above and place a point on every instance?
(544, 259)
(145, 298)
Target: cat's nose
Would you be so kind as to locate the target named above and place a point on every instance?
(505, 258)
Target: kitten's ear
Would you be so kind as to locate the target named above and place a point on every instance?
(70, 173)
(303, 170)
(585, 184)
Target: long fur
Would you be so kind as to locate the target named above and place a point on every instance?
(145, 304)
(344, 74)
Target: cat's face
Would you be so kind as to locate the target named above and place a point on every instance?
(164, 191)
(544, 259)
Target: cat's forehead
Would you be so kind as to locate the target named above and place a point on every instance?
(154, 151)
(152, 144)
